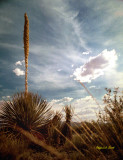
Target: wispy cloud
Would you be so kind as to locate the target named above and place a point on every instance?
(9, 45)
(59, 70)
(41, 77)
(69, 29)
(114, 78)
(92, 87)
(53, 69)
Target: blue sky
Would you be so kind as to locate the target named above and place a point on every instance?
(70, 41)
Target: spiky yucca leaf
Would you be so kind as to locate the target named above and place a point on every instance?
(26, 48)
(29, 113)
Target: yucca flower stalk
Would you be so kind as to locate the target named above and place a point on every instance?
(26, 49)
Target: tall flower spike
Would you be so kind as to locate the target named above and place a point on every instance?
(26, 49)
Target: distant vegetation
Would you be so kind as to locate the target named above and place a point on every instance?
(30, 131)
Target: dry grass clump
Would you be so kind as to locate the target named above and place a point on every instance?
(11, 147)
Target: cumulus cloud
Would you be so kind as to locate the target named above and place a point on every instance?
(84, 108)
(96, 66)
(19, 62)
(65, 99)
(54, 101)
(58, 104)
(18, 72)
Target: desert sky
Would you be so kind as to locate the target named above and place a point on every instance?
(71, 41)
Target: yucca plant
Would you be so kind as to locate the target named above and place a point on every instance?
(30, 112)
(26, 49)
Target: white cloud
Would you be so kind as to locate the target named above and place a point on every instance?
(63, 100)
(67, 99)
(54, 101)
(19, 62)
(72, 65)
(84, 108)
(86, 52)
(18, 72)
(58, 104)
(92, 87)
(96, 66)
